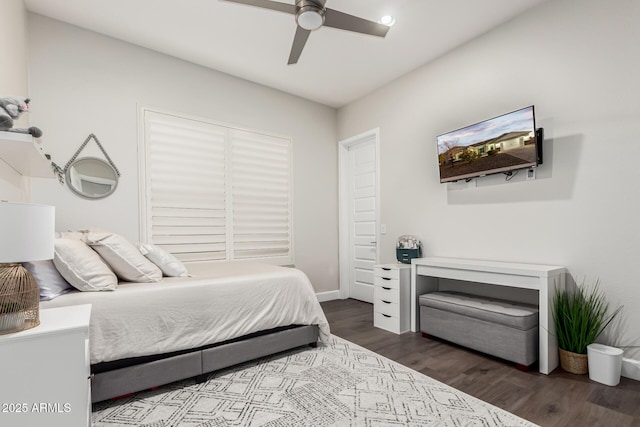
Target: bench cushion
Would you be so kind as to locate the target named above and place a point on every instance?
(512, 314)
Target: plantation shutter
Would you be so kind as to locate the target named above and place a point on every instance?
(186, 179)
(261, 188)
(216, 193)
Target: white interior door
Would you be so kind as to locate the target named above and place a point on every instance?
(362, 217)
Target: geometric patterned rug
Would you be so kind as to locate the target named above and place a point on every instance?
(340, 384)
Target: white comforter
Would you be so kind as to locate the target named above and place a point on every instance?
(232, 300)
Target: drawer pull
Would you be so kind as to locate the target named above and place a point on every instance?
(386, 302)
(386, 269)
(386, 289)
(386, 278)
(385, 315)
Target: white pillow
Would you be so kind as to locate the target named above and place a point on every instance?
(124, 258)
(82, 267)
(71, 234)
(170, 265)
(50, 282)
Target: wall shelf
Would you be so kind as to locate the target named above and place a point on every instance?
(22, 153)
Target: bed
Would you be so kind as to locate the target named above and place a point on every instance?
(148, 334)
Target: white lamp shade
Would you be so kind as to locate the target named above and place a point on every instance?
(27, 232)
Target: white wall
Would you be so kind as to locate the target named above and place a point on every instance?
(13, 82)
(578, 62)
(86, 83)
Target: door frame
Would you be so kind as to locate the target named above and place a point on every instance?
(343, 203)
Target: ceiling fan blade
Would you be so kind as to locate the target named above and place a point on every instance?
(267, 4)
(299, 41)
(344, 21)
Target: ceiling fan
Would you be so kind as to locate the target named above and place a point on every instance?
(311, 15)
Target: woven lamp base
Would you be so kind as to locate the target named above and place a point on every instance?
(574, 363)
(19, 299)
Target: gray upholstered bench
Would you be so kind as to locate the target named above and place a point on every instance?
(505, 329)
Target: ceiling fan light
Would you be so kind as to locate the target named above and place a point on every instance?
(310, 19)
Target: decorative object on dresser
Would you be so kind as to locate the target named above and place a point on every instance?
(408, 248)
(391, 302)
(26, 234)
(580, 315)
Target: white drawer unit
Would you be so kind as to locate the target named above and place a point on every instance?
(44, 371)
(391, 303)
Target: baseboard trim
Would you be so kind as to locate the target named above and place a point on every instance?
(327, 296)
(631, 368)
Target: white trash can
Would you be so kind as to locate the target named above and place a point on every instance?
(605, 363)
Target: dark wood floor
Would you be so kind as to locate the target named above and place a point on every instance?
(559, 399)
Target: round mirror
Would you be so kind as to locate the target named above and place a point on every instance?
(91, 178)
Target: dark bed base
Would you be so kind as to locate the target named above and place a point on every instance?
(113, 379)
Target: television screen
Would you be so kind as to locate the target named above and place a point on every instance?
(499, 145)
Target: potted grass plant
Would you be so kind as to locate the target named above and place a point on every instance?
(580, 316)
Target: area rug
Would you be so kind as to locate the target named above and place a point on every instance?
(339, 384)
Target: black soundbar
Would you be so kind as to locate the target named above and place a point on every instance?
(539, 140)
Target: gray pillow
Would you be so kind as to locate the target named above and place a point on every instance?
(50, 282)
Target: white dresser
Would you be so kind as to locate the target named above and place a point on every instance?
(391, 297)
(44, 371)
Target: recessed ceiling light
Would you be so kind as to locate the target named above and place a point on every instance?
(388, 20)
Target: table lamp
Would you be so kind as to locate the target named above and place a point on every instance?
(26, 234)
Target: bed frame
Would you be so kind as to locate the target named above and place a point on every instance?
(121, 377)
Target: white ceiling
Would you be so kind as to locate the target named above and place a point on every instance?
(335, 68)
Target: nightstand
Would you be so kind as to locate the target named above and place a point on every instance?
(391, 302)
(44, 371)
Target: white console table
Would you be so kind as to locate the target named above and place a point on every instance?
(425, 273)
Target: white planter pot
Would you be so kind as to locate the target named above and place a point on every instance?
(605, 363)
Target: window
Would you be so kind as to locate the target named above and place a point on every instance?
(214, 192)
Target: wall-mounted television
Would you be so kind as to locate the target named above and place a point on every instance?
(498, 145)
